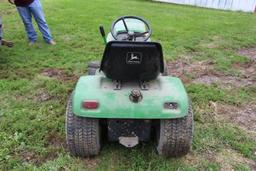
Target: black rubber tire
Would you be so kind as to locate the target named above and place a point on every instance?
(174, 136)
(92, 67)
(166, 71)
(82, 134)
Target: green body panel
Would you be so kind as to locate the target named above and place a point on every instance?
(116, 103)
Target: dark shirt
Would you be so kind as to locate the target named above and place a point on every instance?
(23, 3)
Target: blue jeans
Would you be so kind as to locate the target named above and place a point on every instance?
(36, 10)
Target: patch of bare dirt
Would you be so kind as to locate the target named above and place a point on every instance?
(59, 74)
(248, 52)
(91, 163)
(203, 72)
(248, 70)
(185, 66)
(227, 81)
(185, 69)
(42, 96)
(244, 116)
(195, 159)
(55, 140)
(229, 158)
(29, 156)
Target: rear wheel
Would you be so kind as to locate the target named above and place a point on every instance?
(92, 67)
(174, 136)
(82, 134)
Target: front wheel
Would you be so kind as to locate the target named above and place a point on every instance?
(82, 134)
(174, 136)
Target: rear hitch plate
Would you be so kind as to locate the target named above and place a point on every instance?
(129, 142)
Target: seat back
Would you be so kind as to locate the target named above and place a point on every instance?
(132, 60)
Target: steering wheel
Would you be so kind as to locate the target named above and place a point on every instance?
(131, 35)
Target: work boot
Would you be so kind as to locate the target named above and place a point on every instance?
(51, 42)
(7, 43)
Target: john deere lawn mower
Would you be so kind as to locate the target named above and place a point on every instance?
(129, 97)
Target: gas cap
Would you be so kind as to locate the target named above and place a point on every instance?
(135, 96)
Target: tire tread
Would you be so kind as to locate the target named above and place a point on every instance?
(82, 134)
(175, 137)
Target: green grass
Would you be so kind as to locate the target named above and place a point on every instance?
(32, 132)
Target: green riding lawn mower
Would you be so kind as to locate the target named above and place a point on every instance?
(128, 97)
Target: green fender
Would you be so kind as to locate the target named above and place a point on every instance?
(116, 103)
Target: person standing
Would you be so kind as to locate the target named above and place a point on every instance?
(27, 9)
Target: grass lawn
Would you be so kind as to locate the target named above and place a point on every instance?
(204, 45)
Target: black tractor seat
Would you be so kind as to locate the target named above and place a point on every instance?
(127, 61)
